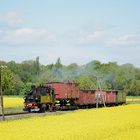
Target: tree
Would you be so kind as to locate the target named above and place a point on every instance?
(37, 65)
(137, 73)
(113, 76)
(86, 82)
(58, 64)
(135, 87)
(8, 82)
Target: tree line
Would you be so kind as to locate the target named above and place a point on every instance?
(17, 78)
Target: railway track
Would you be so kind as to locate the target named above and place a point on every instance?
(15, 115)
(12, 114)
(23, 115)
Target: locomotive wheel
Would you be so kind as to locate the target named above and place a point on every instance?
(30, 110)
(43, 108)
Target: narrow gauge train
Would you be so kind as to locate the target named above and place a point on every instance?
(67, 95)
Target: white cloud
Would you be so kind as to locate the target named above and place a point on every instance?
(128, 40)
(27, 36)
(86, 36)
(11, 19)
(13, 32)
(90, 37)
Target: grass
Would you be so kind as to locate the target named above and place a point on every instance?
(130, 97)
(13, 110)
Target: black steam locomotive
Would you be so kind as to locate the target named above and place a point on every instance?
(39, 99)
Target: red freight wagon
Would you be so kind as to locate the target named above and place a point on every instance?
(66, 90)
(86, 97)
(110, 96)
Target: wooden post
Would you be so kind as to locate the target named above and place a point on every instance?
(1, 95)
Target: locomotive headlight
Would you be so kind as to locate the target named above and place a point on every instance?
(30, 104)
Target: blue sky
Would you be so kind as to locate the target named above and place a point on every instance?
(74, 30)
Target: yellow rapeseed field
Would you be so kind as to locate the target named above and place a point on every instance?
(11, 102)
(113, 123)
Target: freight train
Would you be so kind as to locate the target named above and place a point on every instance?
(68, 95)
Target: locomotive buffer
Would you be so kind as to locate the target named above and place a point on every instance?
(99, 94)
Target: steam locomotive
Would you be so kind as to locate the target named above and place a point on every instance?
(39, 99)
(67, 95)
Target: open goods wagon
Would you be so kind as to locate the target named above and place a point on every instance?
(120, 97)
(67, 90)
(115, 97)
(110, 98)
(86, 98)
(66, 94)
